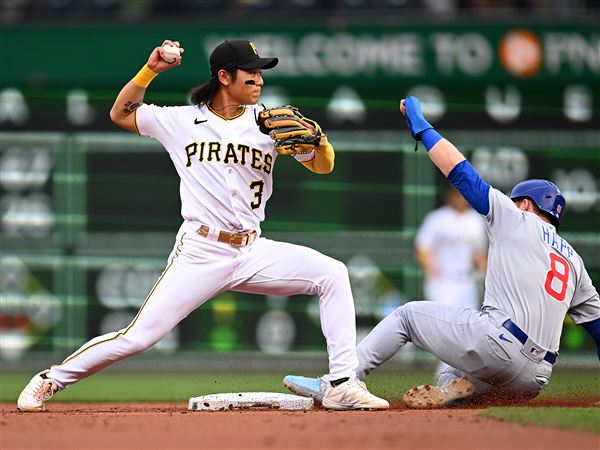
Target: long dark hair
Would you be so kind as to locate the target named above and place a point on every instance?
(203, 94)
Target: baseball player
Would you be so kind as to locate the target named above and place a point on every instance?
(451, 257)
(226, 168)
(534, 279)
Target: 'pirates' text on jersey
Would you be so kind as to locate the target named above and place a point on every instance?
(225, 165)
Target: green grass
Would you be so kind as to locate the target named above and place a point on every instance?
(122, 387)
(150, 387)
(580, 419)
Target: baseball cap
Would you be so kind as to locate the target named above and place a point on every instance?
(240, 54)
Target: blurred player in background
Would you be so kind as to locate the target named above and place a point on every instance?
(450, 247)
(506, 351)
(226, 168)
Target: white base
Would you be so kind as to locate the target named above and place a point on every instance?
(251, 401)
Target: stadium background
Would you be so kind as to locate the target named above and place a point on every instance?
(89, 213)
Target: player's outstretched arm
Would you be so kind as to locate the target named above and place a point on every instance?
(446, 157)
(131, 96)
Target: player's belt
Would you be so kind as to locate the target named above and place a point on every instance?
(233, 239)
(523, 338)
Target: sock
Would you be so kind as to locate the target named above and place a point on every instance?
(339, 381)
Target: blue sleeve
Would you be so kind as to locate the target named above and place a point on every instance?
(473, 188)
(593, 328)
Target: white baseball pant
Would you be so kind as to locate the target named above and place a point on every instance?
(198, 269)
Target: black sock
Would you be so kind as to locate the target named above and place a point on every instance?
(339, 381)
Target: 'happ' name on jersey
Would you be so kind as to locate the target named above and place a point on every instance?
(211, 151)
(554, 240)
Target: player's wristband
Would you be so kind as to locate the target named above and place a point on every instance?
(144, 77)
(430, 137)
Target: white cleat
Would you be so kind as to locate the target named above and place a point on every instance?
(352, 394)
(432, 397)
(39, 390)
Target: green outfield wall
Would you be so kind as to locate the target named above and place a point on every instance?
(88, 220)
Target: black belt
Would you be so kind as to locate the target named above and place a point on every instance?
(522, 337)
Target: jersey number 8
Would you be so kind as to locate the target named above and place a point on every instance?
(559, 270)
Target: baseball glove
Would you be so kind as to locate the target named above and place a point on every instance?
(292, 132)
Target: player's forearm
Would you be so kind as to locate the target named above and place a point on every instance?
(442, 152)
(445, 156)
(423, 257)
(131, 98)
(323, 161)
(481, 262)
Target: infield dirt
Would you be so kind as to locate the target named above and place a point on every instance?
(172, 426)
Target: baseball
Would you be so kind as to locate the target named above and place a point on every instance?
(170, 53)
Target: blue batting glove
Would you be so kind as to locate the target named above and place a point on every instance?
(414, 117)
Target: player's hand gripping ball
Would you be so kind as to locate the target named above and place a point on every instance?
(170, 53)
(292, 132)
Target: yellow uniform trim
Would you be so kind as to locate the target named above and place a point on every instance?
(139, 312)
(223, 117)
(137, 130)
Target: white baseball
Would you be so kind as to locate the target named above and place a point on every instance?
(170, 53)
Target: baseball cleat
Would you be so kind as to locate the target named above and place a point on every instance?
(431, 397)
(306, 387)
(39, 390)
(352, 394)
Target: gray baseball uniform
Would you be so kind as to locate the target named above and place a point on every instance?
(534, 278)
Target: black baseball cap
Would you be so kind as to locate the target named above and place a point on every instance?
(240, 54)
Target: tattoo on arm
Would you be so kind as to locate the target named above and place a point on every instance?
(130, 106)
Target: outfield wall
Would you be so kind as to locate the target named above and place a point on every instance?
(88, 220)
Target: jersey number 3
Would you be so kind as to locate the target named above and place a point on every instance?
(557, 276)
(257, 187)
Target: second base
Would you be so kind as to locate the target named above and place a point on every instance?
(250, 401)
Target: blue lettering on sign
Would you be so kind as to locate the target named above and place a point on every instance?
(554, 240)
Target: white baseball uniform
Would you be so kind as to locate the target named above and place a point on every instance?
(226, 170)
(534, 278)
(453, 239)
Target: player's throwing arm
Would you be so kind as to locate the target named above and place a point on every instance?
(131, 97)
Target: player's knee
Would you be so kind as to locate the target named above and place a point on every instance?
(404, 310)
(419, 307)
(337, 270)
(332, 275)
